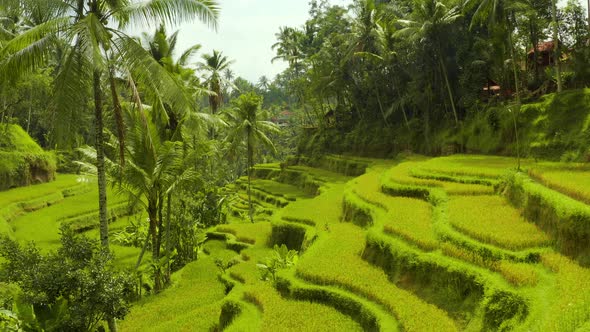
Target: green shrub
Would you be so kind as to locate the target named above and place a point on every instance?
(503, 310)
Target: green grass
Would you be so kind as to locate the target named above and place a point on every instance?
(320, 211)
(408, 218)
(253, 233)
(192, 304)
(492, 220)
(473, 165)
(518, 274)
(344, 245)
(411, 219)
(571, 182)
(280, 314)
(570, 307)
(402, 174)
(427, 260)
(14, 139)
(322, 174)
(62, 181)
(567, 220)
(23, 160)
(42, 226)
(278, 189)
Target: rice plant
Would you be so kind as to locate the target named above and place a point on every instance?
(492, 220)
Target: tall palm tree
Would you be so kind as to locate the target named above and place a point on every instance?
(556, 44)
(263, 83)
(500, 13)
(247, 128)
(162, 48)
(155, 168)
(94, 41)
(430, 19)
(213, 66)
(288, 47)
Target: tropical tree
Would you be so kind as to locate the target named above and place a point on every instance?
(556, 44)
(288, 47)
(247, 128)
(263, 83)
(500, 13)
(162, 48)
(430, 20)
(214, 65)
(155, 168)
(96, 47)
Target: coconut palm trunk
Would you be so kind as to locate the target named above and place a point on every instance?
(556, 46)
(250, 158)
(449, 91)
(100, 168)
(153, 216)
(514, 68)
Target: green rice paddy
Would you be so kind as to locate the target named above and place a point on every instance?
(455, 243)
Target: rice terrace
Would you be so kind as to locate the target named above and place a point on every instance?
(331, 165)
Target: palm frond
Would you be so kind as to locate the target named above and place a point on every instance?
(29, 50)
(172, 12)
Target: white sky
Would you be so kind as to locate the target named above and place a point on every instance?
(246, 33)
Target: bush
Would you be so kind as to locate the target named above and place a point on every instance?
(79, 279)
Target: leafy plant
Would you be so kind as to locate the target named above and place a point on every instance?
(282, 258)
(74, 288)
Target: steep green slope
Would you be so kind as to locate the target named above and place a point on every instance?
(23, 161)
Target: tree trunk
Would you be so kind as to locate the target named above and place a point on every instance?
(449, 91)
(143, 249)
(112, 324)
(153, 215)
(168, 247)
(514, 69)
(557, 53)
(250, 156)
(100, 167)
(380, 105)
(118, 117)
(30, 110)
(535, 42)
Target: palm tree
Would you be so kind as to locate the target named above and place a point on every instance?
(162, 48)
(556, 45)
(214, 65)
(430, 19)
(94, 41)
(247, 128)
(155, 168)
(500, 13)
(263, 83)
(288, 47)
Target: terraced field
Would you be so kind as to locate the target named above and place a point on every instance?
(459, 243)
(36, 213)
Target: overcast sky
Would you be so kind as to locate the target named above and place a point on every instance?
(247, 31)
